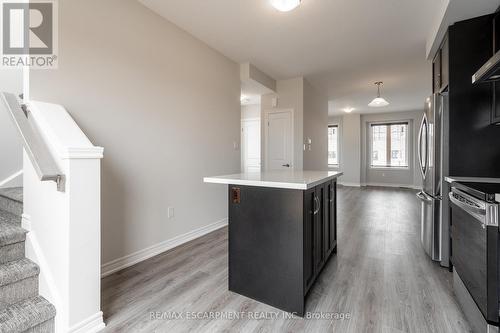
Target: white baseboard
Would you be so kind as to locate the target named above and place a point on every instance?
(392, 185)
(92, 324)
(13, 180)
(349, 184)
(134, 258)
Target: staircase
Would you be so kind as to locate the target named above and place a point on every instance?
(21, 308)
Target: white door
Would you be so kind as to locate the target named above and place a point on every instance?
(279, 140)
(250, 145)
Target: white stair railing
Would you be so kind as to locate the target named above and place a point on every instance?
(64, 223)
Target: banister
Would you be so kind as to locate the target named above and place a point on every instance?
(34, 145)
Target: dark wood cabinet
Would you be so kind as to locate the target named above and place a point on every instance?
(445, 64)
(279, 241)
(320, 229)
(440, 68)
(309, 236)
(436, 72)
(330, 231)
(495, 109)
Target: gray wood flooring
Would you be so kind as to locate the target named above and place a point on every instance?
(380, 278)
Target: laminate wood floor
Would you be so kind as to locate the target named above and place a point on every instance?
(381, 280)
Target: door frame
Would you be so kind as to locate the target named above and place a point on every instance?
(266, 135)
(243, 121)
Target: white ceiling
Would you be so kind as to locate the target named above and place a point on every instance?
(341, 46)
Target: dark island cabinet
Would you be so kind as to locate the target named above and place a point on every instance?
(320, 229)
(279, 241)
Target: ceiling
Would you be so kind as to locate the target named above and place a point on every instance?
(341, 46)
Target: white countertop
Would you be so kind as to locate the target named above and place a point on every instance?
(298, 180)
(452, 179)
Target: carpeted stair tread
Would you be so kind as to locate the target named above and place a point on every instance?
(12, 193)
(10, 233)
(15, 271)
(7, 217)
(25, 315)
(11, 200)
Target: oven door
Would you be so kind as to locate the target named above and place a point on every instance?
(474, 233)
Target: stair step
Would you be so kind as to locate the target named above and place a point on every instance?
(7, 217)
(12, 252)
(11, 233)
(18, 281)
(12, 238)
(11, 200)
(32, 315)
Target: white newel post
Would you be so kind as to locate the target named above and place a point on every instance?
(65, 227)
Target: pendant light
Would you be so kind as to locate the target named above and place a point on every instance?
(378, 101)
(285, 5)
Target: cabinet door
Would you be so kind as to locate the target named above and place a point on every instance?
(332, 216)
(436, 72)
(319, 220)
(309, 209)
(445, 67)
(495, 110)
(326, 213)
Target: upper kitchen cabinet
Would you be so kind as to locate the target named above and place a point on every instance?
(440, 68)
(470, 45)
(495, 110)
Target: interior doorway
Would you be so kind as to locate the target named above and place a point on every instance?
(250, 145)
(279, 140)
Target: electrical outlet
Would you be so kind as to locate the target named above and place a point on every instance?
(170, 212)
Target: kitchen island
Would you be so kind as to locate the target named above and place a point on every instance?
(282, 231)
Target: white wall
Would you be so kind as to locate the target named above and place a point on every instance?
(250, 111)
(11, 151)
(165, 106)
(354, 150)
(290, 94)
(315, 128)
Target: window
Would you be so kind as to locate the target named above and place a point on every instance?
(389, 145)
(333, 145)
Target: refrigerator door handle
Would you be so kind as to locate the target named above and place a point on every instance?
(422, 196)
(423, 170)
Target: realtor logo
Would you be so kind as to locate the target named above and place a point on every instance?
(29, 33)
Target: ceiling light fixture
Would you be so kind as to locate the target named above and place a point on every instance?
(348, 110)
(378, 101)
(285, 5)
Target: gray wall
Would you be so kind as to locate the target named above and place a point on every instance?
(310, 119)
(290, 94)
(315, 128)
(166, 109)
(354, 150)
(11, 151)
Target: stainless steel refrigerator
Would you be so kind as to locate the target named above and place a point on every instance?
(430, 158)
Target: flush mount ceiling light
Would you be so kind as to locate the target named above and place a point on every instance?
(348, 110)
(285, 5)
(378, 101)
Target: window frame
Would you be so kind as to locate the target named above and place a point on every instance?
(334, 166)
(408, 138)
